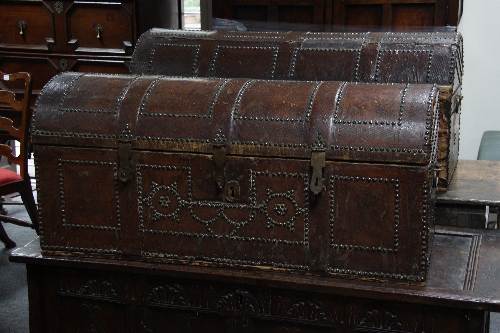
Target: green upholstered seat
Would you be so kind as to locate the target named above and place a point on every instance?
(489, 149)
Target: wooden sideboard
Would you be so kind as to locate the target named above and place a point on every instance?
(48, 37)
(84, 294)
(475, 186)
(334, 15)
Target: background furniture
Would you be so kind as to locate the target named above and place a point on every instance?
(334, 15)
(474, 186)
(76, 293)
(11, 181)
(49, 37)
(489, 149)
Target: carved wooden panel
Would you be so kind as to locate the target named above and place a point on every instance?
(101, 27)
(83, 300)
(26, 24)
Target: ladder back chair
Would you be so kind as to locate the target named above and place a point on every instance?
(15, 119)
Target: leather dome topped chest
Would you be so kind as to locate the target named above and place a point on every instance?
(315, 177)
(374, 57)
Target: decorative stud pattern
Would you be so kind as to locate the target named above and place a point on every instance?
(117, 104)
(164, 201)
(62, 195)
(70, 85)
(208, 115)
(427, 190)
(296, 52)
(351, 247)
(80, 249)
(225, 261)
(381, 53)
(220, 138)
(270, 144)
(195, 57)
(126, 134)
(379, 149)
(180, 140)
(273, 208)
(311, 35)
(273, 49)
(39, 202)
(74, 135)
(305, 118)
(253, 207)
(280, 209)
(340, 96)
(258, 35)
(319, 143)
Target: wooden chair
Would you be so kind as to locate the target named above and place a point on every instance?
(15, 119)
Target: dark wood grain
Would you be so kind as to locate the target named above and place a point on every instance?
(55, 42)
(476, 182)
(155, 295)
(339, 15)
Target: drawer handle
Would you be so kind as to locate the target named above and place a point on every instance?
(22, 25)
(98, 28)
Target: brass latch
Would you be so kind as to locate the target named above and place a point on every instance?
(317, 164)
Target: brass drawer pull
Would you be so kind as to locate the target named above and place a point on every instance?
(98, 28)
(22, 25)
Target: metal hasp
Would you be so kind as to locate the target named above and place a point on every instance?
(317, 164)
(124, 150)
(219, 158)
(124, 171)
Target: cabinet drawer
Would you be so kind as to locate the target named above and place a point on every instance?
(26, 24)
(101, 27)
(43, 68)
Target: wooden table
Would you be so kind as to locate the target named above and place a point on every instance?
(475, 185)
(82, 294)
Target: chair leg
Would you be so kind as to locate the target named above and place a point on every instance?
(3, 211)
(4, 238)
(29, 203)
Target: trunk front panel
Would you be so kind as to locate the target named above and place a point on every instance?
(369, 221)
